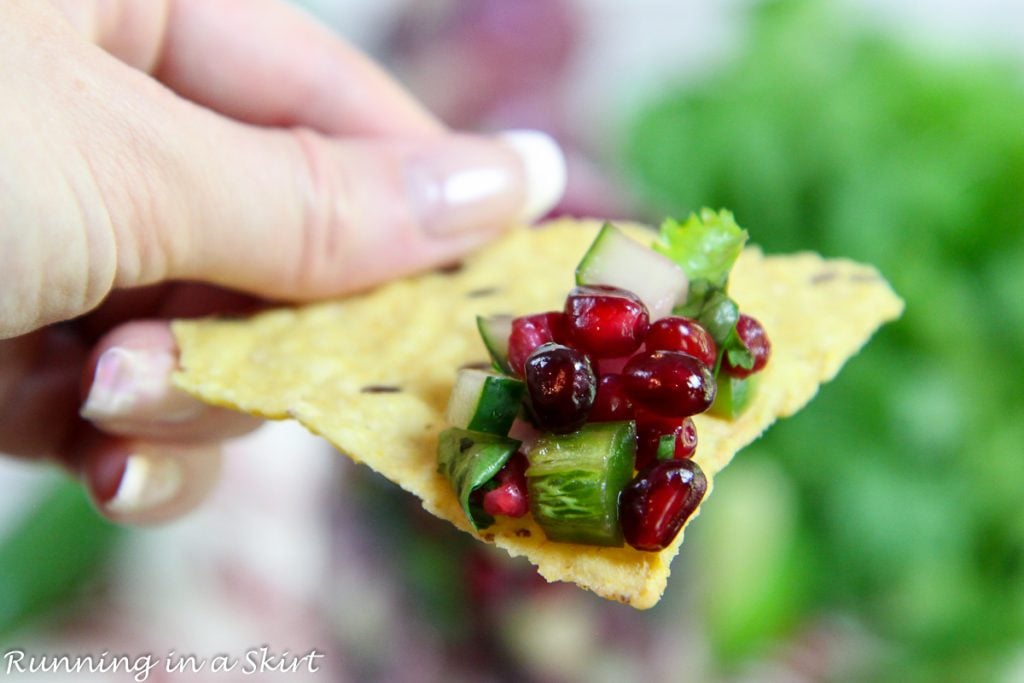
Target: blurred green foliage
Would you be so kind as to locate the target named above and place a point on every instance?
(907, 473)
(51, 556)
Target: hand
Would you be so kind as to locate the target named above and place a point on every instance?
(155, 152)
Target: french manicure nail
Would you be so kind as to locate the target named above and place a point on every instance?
(135, 384)
(147, 482)
(467, 183)
(545, 170)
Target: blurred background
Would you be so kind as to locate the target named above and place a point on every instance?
(877, 536)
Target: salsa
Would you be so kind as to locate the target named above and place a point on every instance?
(585, 420)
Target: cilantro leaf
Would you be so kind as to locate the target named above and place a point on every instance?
(704, 245)
(738, 353)
(717, 313)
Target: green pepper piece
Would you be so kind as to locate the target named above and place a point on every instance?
(733, 396)
(469, 460)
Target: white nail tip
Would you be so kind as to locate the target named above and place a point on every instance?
(111, 392)
(147, 483)
(545, 169)
(135, 384)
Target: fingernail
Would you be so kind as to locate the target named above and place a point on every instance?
(135, 385)
(467, 183)
(140, 482)
(147, 482)
(545, 170)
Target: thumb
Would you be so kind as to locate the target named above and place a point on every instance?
(120, 183)
(296, 215)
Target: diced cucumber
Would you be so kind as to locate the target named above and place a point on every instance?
(666, 447)
(484, 401)
(469, 460)
(616, 260)
(574, 481)
(495, 331)
(733, 396)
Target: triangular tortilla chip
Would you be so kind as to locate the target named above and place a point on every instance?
(372, 372)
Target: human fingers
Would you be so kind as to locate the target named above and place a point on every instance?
(167, 300)
(260, 61)
(134, 481)
(124, 184)
(123, 385)
(334, 216)
(39, 391)
(128, 389)
(151, 452)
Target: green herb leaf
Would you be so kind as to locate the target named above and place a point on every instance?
(705, 245)
(696, 296)
(718, 315)
(470, 460)
(740, 357)
(738, 353)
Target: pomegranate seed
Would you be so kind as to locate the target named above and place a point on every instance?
(605, 321)
(756, 340)
(669, 383)
(611, 366)
(561, 386)
(655, 505)
(529, 332)
(509, 497)
(674, 333)
(612, 404)
(651, 428)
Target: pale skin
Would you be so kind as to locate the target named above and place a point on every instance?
(232, 143)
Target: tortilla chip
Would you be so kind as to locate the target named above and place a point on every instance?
(372, 372)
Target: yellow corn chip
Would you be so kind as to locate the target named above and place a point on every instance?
(372, 372)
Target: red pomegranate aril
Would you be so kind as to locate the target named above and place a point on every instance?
(561, 387)
(611, 366)
(669, 383)
(605, 321)
(675, 333)
(655, 505)
(756, 340)
(612, 403)
(651, 428)
(529, 332)
(509, 498)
